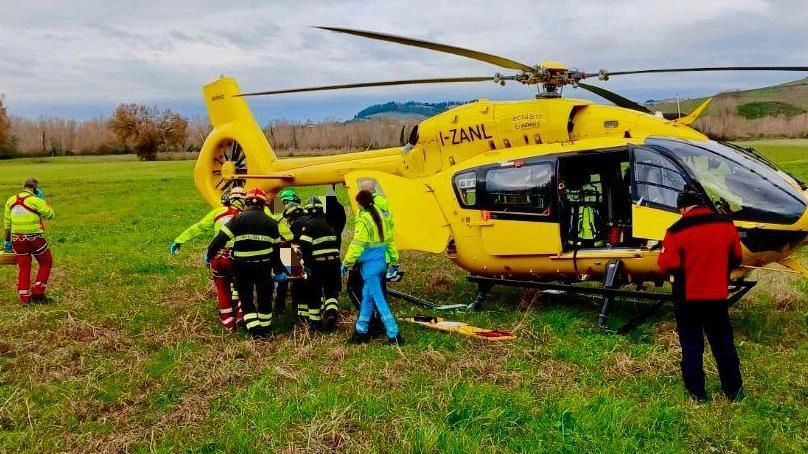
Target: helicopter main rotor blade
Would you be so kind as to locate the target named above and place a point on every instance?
(614, 97)
(488, 58)
(715, 68)
(440, 80)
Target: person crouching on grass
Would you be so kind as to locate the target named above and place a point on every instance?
(369, 246)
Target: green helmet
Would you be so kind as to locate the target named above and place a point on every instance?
(288, 195)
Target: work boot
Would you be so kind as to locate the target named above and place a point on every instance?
(398, 340)
(699, 398)
(330, 320)
(39, 299)
(359, 338)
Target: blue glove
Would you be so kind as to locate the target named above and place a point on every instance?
(174, 248)
(393, 271)
(281, 277)
(38, 192)
(7, 247)
(343, 270)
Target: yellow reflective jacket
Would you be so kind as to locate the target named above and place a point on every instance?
(366, 235)
(24, 213)
(209, 225)
(283, 224)
(387, 216)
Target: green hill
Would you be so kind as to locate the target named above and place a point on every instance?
(786, 99)
(410, 110)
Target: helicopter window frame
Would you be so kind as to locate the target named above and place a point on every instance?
(674, 166)
(484, 202)
(754, 167)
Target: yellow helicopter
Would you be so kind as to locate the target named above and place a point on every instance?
(544, 192)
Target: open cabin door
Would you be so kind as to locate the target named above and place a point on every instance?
(420, 224)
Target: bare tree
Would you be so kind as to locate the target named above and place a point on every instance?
(148, 131)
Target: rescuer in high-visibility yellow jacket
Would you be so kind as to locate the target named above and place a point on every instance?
(221, 265)
(24, 229)
(369, 247)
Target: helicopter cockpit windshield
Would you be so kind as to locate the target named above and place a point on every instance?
(739, 186)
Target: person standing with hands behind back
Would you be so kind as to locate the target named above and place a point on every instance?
(369, 246)
(700, 250)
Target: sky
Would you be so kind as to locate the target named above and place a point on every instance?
(81, 58)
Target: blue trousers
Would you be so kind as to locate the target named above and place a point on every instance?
(373, 266)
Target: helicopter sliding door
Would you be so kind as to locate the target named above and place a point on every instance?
(594, 200)
(517, 203)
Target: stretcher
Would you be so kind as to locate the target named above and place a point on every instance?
(465, 329)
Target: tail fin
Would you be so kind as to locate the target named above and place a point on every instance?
(693, 116)
(235, 144)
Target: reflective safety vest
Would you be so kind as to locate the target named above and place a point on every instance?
(209, 225)
(366, 235)
(254, 237)
(283, 224)
(24, 213)
(387, 216)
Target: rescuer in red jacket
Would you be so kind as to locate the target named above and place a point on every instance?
(699, 251)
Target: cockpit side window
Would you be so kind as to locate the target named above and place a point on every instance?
(657, 179)
(739, 186)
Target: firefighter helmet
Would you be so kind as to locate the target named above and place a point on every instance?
(292, 211)
(236, 197)
(288, 195)
(256, 197)
(315, 206)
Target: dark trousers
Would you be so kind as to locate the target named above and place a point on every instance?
(325, 283)
(256, 276)
(694, 319)
(355, 285)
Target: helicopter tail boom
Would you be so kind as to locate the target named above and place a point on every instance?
(223, 158)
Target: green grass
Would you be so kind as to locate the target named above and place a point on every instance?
(131, 357)
(760, 109)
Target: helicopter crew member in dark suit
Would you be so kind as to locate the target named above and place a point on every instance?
(319, 247)
(254, 249)
(699, 251)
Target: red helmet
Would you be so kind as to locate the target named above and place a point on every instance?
(256, 196)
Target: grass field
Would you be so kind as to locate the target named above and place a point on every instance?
(130, 356)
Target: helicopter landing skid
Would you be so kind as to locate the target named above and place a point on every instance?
(424, 303)
(609, 292)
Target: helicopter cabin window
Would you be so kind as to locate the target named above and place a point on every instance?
(658, 180)
(519, 189)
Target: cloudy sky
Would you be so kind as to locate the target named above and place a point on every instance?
(80, 58)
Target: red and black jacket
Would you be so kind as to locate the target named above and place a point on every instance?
(700, 250)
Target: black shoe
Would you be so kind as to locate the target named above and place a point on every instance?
(330, 320)
(359, 338)
(39, 299)
(398, 340)
(737, 396)
(699, 398)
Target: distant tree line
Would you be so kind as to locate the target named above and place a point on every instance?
(158, 134)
